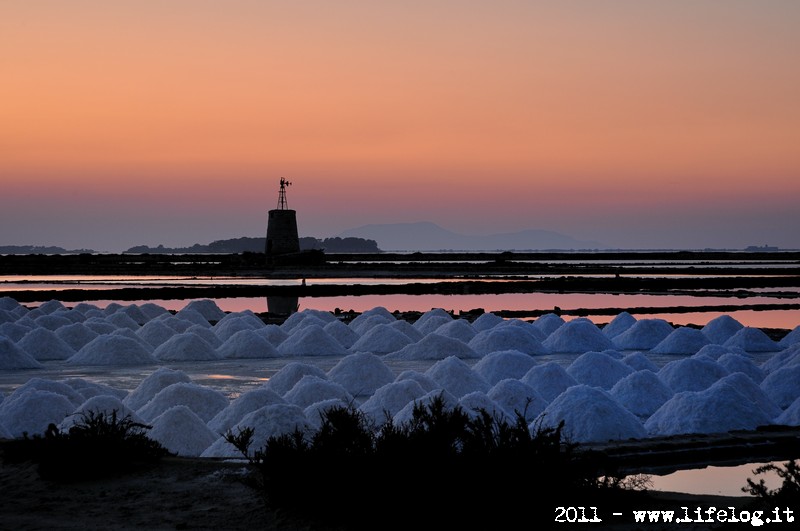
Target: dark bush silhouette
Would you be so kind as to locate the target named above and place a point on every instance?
(455, 469)
(98, 445)
(788, 494)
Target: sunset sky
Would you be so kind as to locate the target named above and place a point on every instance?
(636, 124)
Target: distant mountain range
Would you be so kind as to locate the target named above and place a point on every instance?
(257, 245)
(427, 236)
(40, 249)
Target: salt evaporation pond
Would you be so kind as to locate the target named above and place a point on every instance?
(195, 373)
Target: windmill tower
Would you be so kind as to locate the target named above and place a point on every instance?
(282, 227)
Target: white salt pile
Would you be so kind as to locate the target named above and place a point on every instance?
(182, 432)
(274, 334)
(722, 328)
(194, 317)
(456, 377)
(100, 325)
(644, 334)
(361, 373)
(691, 374)
(549, 380)
(43, 344)
(485, 321)
(506, 338)
(134, 312)
(425, 381)
(282, 381)
(112, 350)
(433, 347)
(431, 320)
(370, 318)
(548, 323)
(52, 322)
(13, 331)
(204, 401)
(76, 335)
(459, 329)
(89, 389)
(150, 386)
(247, 344)
(311, 341)
(516, 397)
(312, 389)
(641, 393)
(178, 325)
(718, 409)
(206, 334)
(782, 385)
(752, 340)
(639, 362)
(598, 369)
(241, 406)
(317, 413)
(401, 325)
(405, 415)
(745, 385)
(504, 364)
(618, 324)
(577, 336)
(185, 347)
(341, 333)
(44, 384)
(230, 325)
(478, 403)
(591, 414)
(106, 405)
(121, 320)
(32, 410)
(388, 400)
(130, 334)
(682, 340)
(150, 309)
(734, 363)
(156, 332)
(207, 308)
(381, 339)
(791, 338)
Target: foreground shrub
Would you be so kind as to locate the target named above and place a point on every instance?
(98, 445)
(456, 469)
(787, 494)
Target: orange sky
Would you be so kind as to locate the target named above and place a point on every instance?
(624, 122)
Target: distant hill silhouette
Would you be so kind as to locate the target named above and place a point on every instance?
(257, 245)
(427, 236)
(40, 249)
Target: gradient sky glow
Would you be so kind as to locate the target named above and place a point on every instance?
(635, 124)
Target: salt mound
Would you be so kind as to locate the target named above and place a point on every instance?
(577, 336)
(207, 308)
(100, 326)
(475, 403)
(791, 338)
(361, 373)
(644, 334)
(639, 362)
(307, 321)
(229, 326)
(598, 369)
(641, 393)
(485, 321)
(618, 324)
(112, 350)
(51, 306)
(12, 357)
(311, 341)
(8, 304)
(150, 386)
(206, 334)
(32, 411)
(247, 344)
(76, 335)
(273, 333)
(185, 347)
(244, 404)
(433, 347)
(135, 313)
(401, 325)
(112, 308)
(156, 332)
(517, 397)
(431, 320)
(782, 385)
(43, 344)
(52, 322)
(91, 389)
(121, 320)
(682, 340)
(178, 325)
(427, 383)
(590, 415)
(504, 364)
(718, 409)
(459, 329)
(151, 310)
(205, 402)
(193, 316)
(549, 380)
(722, 328)
(506, 338)
(548, 323)
(712, 351)
(102, 404)
(130, 334)
(341, 333)
(269, 421)
(752, 340)
(737, 363)
(282, 381)
(745, 385)
(14, 331)
(316, 413)
(790, 417)
(312, 389)
(384, 404)
(370, 318)
(784, 358)
(456, 377)
(182, 432)
(691, 374)
(43, 384)
(6, 317)
(319, 317)
(524, 326)
(381, 339)
(247, 316)
(405, 415)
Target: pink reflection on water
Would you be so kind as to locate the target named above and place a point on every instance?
(716, 480)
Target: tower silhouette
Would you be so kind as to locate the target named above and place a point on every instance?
(282, 227)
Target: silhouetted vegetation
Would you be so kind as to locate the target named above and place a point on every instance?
(257, 245)
(457, 470)
(788, 494)
(98, 445)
